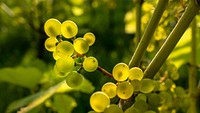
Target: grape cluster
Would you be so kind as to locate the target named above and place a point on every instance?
(159, 94)
(69, 51)
(129, 81)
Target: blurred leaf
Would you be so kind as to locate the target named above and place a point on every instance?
(64, 103)
(24, 76)
(22, 102)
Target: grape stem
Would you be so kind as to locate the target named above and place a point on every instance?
(105, 72)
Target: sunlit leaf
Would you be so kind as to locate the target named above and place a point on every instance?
(64, 103)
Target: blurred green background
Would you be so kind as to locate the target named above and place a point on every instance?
(26, 68)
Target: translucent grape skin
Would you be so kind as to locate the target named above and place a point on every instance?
(50, 43)
(113, 108)
(52, 27)
(110, 89)
(64, 64)
(65, 49)
(131, 109)
(90, 64)
(146, 85)
(124, 90)
(136, 73)
(99, 101)
(81, 46)
(74, 79)
(120, 72)
(90, 38)
(69, 29)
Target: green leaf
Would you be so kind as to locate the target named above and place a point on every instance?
(64, 103)
(22, 102)
(27, 77)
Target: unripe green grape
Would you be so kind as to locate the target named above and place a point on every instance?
(64, 64)
(110, 89)
(69, 29)
(120, 72)
(141, 96)
(52, 27)
(124, 90)
(99, 101)
(81, 46)
(90, 64)
(74, 79)
(136, 73)
(65, 49)
(113, 108)
(50, 43)
(150, 111)
(132, 109)
(90, 38)
(146, 85)
(141, 106)
(136, 84)
(154, 99)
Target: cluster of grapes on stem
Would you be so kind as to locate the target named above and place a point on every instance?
(69, 51)
(143, 95)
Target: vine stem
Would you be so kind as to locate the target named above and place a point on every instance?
(138, 19)
(172, 40)
(192, 82)
(47, 94)
(148, 33)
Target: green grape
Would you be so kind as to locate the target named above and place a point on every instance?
(146, 85)
(110, 89)
(132, 109)
(180, 92)
(150, 111)
(90, 38)
(81, 46)
(74, 79)
(52, 27)
(64, 49)
(120, 72)
(141, 105)
(99, 101)
(60, 74)
(50, 44)
(169, 83)
(141, 96)
(55, 55)
(156, 85)
(124, 90)
(136, 73)
(154, 100)
(64, 64)
(90, 64)
(69, 29)
(166, 98)
(136, 84)
(113, 108)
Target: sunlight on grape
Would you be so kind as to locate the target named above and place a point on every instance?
(77, 11)
(130, 22)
